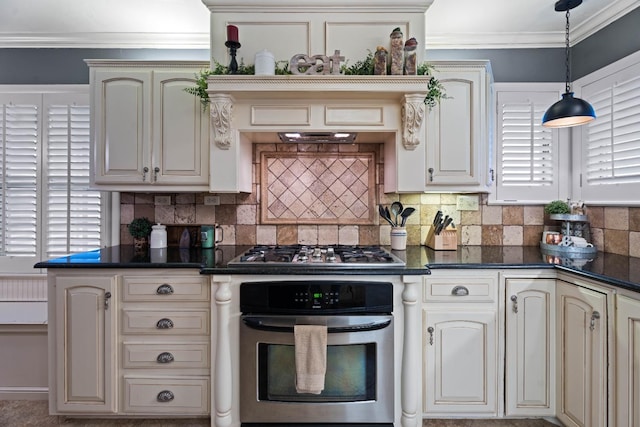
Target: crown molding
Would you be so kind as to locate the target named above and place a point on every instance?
(106, 40)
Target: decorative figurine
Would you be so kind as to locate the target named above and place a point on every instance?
(410, 61)
(380, 61)
(397, 50)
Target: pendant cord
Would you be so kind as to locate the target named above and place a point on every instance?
(567, 57)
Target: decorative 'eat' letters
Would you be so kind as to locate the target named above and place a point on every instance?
(316, 64)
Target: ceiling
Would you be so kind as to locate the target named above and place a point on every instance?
(451, 24)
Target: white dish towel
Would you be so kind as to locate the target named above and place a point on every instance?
(311, 357)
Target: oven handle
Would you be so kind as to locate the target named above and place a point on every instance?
(262, 325)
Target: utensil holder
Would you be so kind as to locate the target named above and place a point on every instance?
(447, 240)
(398, 238)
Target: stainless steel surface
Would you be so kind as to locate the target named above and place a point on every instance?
(313, 409)
(337, 256)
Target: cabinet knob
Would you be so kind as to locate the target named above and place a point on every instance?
(156, 170)
(164, 324)
(430, 330)
(460, 291)
(164, 289)
(145, 171)
(107, 297)
(165, 396)
(430, 174)
(514, 299)
(165, 357)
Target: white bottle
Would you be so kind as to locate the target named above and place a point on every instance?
(265, 63)
(158, 236)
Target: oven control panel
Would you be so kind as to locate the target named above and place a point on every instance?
(316, 297)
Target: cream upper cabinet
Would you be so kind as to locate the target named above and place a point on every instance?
(460, 341)
(82, 312)
(530, 346)
(459, 129)
(627, 361)
(148, 133)
(582, 355)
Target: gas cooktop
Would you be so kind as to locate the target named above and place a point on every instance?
(336, 256)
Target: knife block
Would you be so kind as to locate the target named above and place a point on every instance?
(447, 240)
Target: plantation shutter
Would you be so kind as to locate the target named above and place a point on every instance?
(611, 143)
(528, 154)
(19, 142)
(73, 219)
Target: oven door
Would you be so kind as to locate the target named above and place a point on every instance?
(358, 381)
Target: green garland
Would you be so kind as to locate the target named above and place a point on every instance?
(435, 89)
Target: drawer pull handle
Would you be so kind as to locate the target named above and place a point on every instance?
(165, 357)
(165, 396)
(164, 289)
(514, 299)
(460, 291)
(164, 324)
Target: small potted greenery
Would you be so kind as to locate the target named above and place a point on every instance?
(140, 229)
(557, 207)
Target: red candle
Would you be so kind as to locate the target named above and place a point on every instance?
(232, 33)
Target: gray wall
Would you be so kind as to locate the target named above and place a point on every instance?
(621, 38)
(67, 66)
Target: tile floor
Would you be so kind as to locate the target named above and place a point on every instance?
(27, 413)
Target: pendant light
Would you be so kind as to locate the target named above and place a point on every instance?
(569, 111)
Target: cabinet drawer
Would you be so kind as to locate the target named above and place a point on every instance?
(167, 322)
(165, 355)
(158, 288)
(460, 289)
(177, 396)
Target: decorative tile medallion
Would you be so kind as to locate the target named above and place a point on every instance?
(317, 188)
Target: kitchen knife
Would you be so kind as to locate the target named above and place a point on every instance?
(441, 225)
(436, 219)
(446, 223)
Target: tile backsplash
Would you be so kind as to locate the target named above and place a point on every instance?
(613, 229)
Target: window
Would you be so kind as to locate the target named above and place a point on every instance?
(610, 145)
(528, 154)
(46, 206)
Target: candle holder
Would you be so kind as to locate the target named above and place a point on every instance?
(233, 47)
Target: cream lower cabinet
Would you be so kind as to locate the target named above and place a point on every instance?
(530, 346)
(147, 133)
(460, 345)
(627, 366)
(582, 355)
(133, 343)
(82, 317)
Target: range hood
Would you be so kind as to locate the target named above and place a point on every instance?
(318, 137)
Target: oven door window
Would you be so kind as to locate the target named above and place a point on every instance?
(350, 376)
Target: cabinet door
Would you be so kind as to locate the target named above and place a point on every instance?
(457, 130)
(530, 347)
(582, 356)
(85, 335)
(121, 132)
(627, 362)
(180, 131)
(460, 362)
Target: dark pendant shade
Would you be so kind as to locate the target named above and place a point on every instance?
(569, 111)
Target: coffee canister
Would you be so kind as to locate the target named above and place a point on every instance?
(158, 236)
(265, 63)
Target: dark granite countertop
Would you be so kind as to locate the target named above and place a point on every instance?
(618, 270)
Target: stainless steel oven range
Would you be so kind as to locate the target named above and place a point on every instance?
(359, 384)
